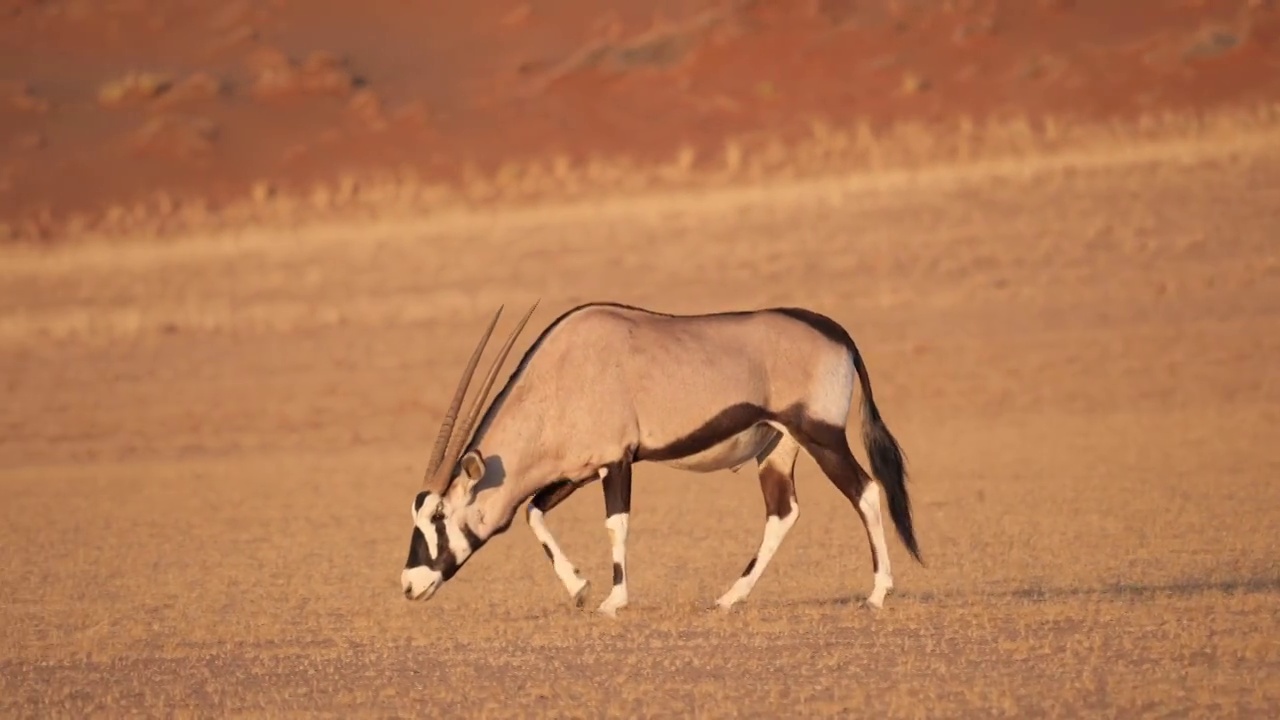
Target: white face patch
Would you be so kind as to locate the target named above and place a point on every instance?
(423, 520)
(457, 541)
(419, 583)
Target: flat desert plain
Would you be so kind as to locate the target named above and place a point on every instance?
(208, 450)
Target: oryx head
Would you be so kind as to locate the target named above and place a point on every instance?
(442, 537)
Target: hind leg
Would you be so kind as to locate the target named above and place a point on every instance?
(541, 504)
(830, 449)
(777, 482)
(869, 508)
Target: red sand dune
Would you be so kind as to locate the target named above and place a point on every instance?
(159, 102)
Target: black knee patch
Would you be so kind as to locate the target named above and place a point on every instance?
(776, 486)
(618, 575)
(750, 566)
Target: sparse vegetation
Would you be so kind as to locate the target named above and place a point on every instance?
(177, 137)
(190, 90)
(276, 75)
(133, 88)
(913, 83)
(829, 150)
(23, 98)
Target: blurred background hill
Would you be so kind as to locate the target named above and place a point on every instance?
(137, 115)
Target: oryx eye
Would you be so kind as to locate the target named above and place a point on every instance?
(437, 514)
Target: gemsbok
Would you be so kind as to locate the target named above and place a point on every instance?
(606, 386)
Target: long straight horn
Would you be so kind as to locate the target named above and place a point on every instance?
(446, 427)
(477, 405)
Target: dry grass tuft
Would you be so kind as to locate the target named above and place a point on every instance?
(193, 89)
(179, 137)
(23, 98)
(828, 149)
(132, 89)
(276, 75)
(367, 107)
(913, 83)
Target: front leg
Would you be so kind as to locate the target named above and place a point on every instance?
(541, 504)
(617, 507)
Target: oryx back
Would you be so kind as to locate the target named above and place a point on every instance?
(697, 392)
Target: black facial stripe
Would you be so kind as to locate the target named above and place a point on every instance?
(418, 554)
(448, 565)
(445, 563)
(473, 543)
(473, 540)
(417, 502)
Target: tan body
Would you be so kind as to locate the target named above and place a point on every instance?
(606, 386)
(608, 381)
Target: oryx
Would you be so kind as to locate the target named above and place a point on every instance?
(606, 386)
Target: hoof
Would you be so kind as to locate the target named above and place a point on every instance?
(874, 601)
(609, 611)
(580, 597)
(612, 604)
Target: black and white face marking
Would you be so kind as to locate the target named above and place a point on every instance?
(439, 545)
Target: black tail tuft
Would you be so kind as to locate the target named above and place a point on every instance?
(887, 462)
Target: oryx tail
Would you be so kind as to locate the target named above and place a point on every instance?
(887, 463)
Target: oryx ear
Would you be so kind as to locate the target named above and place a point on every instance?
(473, 467)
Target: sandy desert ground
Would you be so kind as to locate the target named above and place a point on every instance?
(208, 449)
